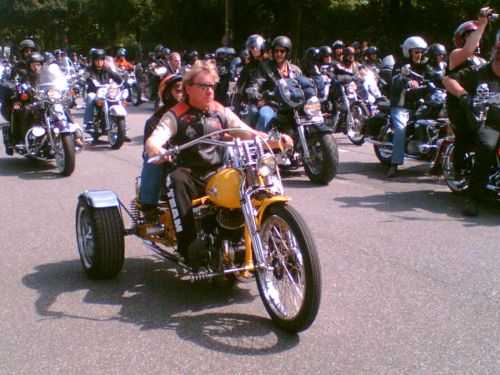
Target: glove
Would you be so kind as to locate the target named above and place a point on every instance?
(465, 101)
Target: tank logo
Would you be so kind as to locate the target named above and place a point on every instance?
(190, 132)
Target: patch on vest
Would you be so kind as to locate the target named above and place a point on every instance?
(190, 132)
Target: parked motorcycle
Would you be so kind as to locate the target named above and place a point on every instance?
(245, 222)
(425, 130)
(344, 111)
(51, 133)
(110, 114)
(300, 116)
(459, 182)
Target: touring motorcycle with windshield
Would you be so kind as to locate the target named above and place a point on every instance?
(51, 133)
(246, 222)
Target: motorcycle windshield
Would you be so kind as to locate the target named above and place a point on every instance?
(53, 78)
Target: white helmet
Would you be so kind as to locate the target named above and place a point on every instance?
(412, 43)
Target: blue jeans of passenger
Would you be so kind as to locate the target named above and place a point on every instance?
(399, 118)
(266, 114)
(89, 108)
(151, 175)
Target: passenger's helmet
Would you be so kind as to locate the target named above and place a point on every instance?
(435, 50)
(97, 54)
(166, 51)
(159, 48)
(413, 42)
(255, 40)
(122, 52)
(26, 43)
(282, 41)
(325, 51)
(338, 44)
(35, 57)
(463, 29)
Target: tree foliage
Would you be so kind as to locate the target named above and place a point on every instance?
(200, 24)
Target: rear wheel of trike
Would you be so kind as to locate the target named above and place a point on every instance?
(100, 238)
(291, 286)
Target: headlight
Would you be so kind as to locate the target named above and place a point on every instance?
(312, 107)
(113, 92)
(54, 94)
(266, 165)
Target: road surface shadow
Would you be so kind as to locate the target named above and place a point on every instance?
(149, 295)
(427, 200)
(29, 169)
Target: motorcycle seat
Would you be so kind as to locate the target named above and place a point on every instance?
(383, 105)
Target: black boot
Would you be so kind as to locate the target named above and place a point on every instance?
(393, 171)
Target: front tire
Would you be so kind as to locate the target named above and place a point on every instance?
(65, 154)
(291, 288)
(324, 158)
(100, 238)
(116, 132)
(359, 114)
(135, 95)
(455, 185)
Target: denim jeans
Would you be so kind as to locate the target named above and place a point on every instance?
(89, 108)
(266, 114)
(151, 175)
(399, 118)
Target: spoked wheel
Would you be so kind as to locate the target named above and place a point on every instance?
(456, 185)
(323, 164)
(359, 114)
(291, 287)
(65, 154)
(384, 152)
(116, 132)
(100, 238)
(135, 95)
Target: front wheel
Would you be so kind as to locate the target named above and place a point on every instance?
(290, 287)
(116, 132)
(323, 161)
(455, 184)
(65, 154)
(135, 95)
(359, 114)
(100, 238)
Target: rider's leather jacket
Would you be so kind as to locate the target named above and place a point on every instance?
(266, 76)
(399, 97)
(102, 76)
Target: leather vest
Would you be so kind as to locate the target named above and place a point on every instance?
(193, 123)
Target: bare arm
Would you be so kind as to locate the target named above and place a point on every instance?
(459, 55)
(453, 87)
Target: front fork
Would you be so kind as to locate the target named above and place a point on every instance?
(302, 136)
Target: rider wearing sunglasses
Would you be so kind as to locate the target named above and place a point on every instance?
(404, 102)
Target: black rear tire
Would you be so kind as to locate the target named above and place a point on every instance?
(360, 114)
(100, 238)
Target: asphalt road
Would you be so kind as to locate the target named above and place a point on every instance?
(410, 286)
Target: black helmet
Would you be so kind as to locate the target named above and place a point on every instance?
(209, 56)
(73, 54)
(122, 52)
(231, 51)
(193, 54)
(356, 45)
(435, 50)
(312, 52)
(371, 50)
(27, 43)
(220, 52)
(159, 48)
(282, 41)
(35, 57)
(166, 51)
(338, 44)
(49, 58)
(97, 54)
(325, 51)
(255, 40)
(58, 52)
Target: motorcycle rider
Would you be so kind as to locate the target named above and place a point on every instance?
(64, 62)
(198, 115)
(263, 82)
(338, 51)
(467, 39)
(174, 63)
(463, 85)
(102, 74)
(402, 101)
(349, 62)
(372, 60)
(437, 65)
(121, 61)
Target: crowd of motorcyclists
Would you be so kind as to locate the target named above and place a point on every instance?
(246, 82)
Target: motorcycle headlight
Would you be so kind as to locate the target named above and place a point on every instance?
(112, 93)
(57, 109)
(54, 94)
(101, 93)
(266, 165)
(312, 107)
